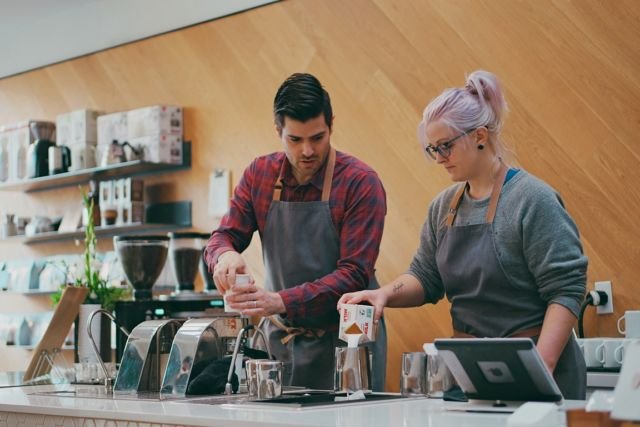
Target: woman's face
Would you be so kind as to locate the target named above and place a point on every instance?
(456, 151)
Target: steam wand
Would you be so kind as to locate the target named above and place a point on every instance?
(108, 381)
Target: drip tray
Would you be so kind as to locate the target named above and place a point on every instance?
(312, 399)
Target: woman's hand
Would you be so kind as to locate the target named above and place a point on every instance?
(377, 298)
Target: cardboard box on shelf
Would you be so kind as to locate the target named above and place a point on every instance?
(127, 190)
(155, 120)
(130, 213)
(83, 155)
(132, 190)
(16, 138)
(160, 148)
(107, 198)
(76, 127)
(112, 127)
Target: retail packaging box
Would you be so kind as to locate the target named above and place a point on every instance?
(129, 190)
(16, 139)
(160, 148)
(130, 213)
(83, 155)
(77, 127)
(357, 320)
(112, 127)
(107, 197)
(155, 120)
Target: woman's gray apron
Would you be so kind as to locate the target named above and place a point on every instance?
(300, 244)
(483, 301)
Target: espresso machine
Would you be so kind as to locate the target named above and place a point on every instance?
(143, 258)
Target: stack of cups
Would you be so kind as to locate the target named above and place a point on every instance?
(425, 374)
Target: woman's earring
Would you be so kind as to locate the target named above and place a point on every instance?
(480, 146)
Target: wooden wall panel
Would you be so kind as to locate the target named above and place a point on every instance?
(569, 68)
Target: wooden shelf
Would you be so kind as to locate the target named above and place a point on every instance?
(29, 292)
(107, 231)
(126, 169)
(33, 347)
(160, 217)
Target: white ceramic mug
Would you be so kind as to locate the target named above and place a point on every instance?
(612, 352)
(594, 352)
(631, 324)
(623, 349)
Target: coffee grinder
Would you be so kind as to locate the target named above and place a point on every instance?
(185, 252)
(38, 152)
(142, 259)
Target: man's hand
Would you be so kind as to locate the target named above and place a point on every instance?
(224, 273)
(255, 301)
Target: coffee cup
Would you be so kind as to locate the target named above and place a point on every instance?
(622, 350)
(593, 352)
(631, 324)
(612, 352)
(413, 379)
(241, 279)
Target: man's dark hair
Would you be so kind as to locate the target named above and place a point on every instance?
(301, 97)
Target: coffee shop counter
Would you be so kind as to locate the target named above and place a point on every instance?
(37, 406)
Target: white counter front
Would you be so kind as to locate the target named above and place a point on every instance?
(27, 406)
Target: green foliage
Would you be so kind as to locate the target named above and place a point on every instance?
(99, 290)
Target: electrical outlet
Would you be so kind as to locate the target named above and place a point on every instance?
(605, 287)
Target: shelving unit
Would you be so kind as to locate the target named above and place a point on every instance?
(120, 170)
(28, 293)
(159, 217)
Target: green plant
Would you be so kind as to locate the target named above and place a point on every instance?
(100, 292)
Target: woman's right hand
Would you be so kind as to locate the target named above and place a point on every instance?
(377, 298)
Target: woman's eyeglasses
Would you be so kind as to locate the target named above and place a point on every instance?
(444, 149)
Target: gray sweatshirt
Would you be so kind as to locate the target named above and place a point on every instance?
(536, 240)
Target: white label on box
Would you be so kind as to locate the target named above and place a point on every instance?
(155, 120)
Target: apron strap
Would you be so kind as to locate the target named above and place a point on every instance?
(328, 175)
(493, 202)
(292, 331)
(453, 208)
(495, 194)
(326, 185)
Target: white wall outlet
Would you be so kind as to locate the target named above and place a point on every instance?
(605, 287)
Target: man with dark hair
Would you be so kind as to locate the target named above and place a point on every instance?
(320, 214)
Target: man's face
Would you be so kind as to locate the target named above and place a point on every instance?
(306, 145)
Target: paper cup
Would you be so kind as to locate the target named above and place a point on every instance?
(241, 279)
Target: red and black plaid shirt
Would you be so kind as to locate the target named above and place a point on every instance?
(358, 207)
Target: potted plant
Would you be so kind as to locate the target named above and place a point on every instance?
(101, 294)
